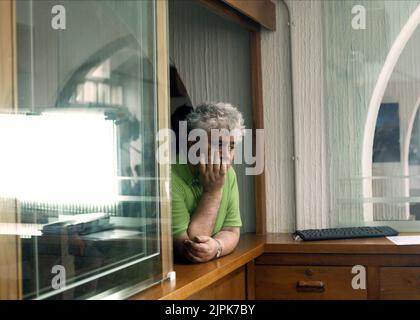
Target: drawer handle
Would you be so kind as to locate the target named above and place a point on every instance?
(310, 286)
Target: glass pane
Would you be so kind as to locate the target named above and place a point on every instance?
(79, 155)
(396, 142)
(371, 102)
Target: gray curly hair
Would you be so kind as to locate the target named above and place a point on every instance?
(218, 115)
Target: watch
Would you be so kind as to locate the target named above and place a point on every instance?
(219, 248)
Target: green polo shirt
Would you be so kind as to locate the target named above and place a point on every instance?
(186, 194)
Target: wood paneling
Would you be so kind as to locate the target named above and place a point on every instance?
(162, 66)
(6, 56)
(400, 283)
(10, 266)
(258, 117)
(261, 11)
(339, 259)
(230, 287)
(250, 280)
(302, 282)
(225, 11)
(373, 282)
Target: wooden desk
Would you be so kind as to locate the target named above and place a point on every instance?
(290, 269)
(275, 266)
(224, 278)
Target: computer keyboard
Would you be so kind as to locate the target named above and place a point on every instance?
(345, 233)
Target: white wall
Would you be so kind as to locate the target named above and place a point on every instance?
(278, 123)
(309, 119)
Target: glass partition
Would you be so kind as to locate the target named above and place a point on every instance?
(78, 167)
(371, 89)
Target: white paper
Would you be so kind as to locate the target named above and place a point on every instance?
(405, 240)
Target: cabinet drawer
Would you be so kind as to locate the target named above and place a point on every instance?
(400, 283)
(291, 283)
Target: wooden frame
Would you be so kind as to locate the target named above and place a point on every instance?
(162, 72)
(10, 257)
(258, 116)
(227, 12)
(220, 8)
(8, 93)
(10, 253)
(261, 11)
(7, 56)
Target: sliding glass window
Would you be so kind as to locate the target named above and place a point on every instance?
(80, 185)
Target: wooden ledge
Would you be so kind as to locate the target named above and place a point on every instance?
(284, 243)
(261, 11)
(191, 278)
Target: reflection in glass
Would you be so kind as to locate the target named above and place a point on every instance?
(386, 142)
(79, 169)
(395, 180)
(365, 180)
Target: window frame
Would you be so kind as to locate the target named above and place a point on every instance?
(10, 258)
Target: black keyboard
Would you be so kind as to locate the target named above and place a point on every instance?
(345, 233)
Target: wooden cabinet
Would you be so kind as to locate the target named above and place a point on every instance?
(291, 270)
(305, 282)
(230, 287)
(275, 267)
(400, 283)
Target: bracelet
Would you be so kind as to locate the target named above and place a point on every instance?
(219, 249)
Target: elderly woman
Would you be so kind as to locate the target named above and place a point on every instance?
(206, 219)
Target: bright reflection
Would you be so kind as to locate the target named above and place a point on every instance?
(58, 158)
(20, 229)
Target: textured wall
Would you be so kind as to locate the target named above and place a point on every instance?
(212, 56)
(278, 123)
(309, 118)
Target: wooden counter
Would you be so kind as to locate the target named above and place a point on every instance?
(275, 266)
(284, 243)
(373, 268)
(220, 274)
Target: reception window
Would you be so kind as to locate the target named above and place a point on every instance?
(83, 198)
